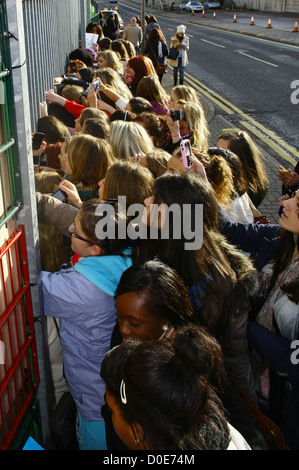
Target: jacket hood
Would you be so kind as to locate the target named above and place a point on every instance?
(105, 271)
(244, 269)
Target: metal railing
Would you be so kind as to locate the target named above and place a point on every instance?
(52, 31)
(19, 376)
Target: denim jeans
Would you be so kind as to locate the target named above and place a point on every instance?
(180, 69)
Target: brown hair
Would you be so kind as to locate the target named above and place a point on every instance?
(125, 178)
(54, 130)
(151, 89)
(75, 64)
(92, 113)
(119, 47)
(96, 127)
(90, 214)
(156, 162)
(245, 148)
(73, 93)
(89, 159)
(47, 182)
(142, 67)
(156, 127)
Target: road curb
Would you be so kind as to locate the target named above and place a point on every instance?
(290, 38)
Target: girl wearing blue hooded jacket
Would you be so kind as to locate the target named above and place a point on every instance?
(81, 296)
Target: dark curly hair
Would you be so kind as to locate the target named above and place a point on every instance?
(169, 390)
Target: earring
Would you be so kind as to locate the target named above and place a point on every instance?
(137, 442)
(165, 328)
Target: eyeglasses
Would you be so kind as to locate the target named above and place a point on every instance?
(75, 235)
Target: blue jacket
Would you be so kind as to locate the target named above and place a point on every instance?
(82, 297)
(261, 240)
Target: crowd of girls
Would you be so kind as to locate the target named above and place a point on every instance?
(163, 343)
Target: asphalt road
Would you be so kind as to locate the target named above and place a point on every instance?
(253, 74)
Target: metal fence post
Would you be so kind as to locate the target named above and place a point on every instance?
(27, 216)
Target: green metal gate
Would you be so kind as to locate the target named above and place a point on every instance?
(19, 374)
(9, 162)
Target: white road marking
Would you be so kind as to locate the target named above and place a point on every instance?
(213, 43)
(255, 58)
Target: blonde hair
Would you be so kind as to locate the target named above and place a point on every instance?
(198, 126)
(129, 139)
(112, 59)
(112, 78)
(185, 93)
(73, 93)
(89, 159)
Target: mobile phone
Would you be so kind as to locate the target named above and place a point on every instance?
(282, 170)
(96, 85)
(37, 140)
(176, 115)
(186, 152)
(60, 195)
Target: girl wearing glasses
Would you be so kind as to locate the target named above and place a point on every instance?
(81, 296)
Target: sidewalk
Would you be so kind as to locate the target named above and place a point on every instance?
(226, 24)
(217, 122)
(271, 34)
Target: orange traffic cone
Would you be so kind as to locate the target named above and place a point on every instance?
(269, 22)
(203, 15)
(295, 30)
(252, 20)
(214, 15)
(193, 13)
(235, 18)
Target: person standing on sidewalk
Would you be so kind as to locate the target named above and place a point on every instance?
(180, 42)
(156, 49)
(133, 33)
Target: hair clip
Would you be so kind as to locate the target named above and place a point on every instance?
(122, 392)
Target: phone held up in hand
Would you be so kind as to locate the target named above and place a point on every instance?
(176, 115)
(37, 140)
(60, 195)
(186, 152)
